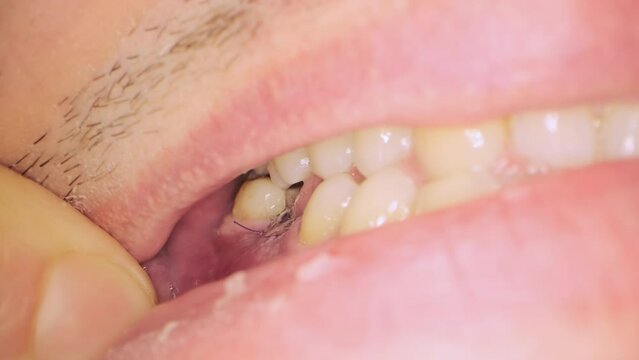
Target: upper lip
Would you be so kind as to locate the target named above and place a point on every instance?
(409, 69)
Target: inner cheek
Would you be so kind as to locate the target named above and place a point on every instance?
(201, 248)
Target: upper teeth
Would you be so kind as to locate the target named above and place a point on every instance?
(555, 138)
(332, 156)
(467, 149)
(293, 167)
(457, 163)
(620, 132)
(379, 147)
(259, 199)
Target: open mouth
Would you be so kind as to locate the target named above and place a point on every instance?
(360, 212)
(363, 180)
(368, 213)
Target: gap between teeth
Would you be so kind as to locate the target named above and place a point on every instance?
(384, 174)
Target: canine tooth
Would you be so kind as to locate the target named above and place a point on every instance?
(276, 177)
(620, 132)
(452, 150)
(378, 147)
(325, 209)
(259, 199)
(332, 156)
(294, 166)
(385, 197)
(452, 190)
(557, 139)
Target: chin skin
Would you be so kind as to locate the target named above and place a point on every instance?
(529, 286)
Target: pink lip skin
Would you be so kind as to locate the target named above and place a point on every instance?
(440, 62)
(540, 268)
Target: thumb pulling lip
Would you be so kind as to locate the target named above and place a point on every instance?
(545, 268)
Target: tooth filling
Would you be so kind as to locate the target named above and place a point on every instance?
(374, 176)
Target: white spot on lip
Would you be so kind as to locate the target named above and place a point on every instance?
(234, 286)
(276, 304)
(315, 268)
(166, 331)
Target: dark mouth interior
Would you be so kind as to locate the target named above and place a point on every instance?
(206, 245)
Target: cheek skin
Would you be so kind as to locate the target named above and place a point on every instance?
(63, 278)
(54, 55)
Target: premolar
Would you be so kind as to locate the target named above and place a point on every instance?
(452, 190)
(385, 197)
(325, 209)
(379, 147)
(332, 156)
(294, 166)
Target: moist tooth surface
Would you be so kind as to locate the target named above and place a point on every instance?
(557, 139)
(332, 156)
(620, 132)
(325, 209)
(453, 150)
(453, 190)
(276, 177)
(379, 147)
(293, 166)
(403, 171)
(385, 197)
(259, 199)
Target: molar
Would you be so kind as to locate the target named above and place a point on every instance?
(259, 199)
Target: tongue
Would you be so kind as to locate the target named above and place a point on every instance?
(544, 266)
(207, 244)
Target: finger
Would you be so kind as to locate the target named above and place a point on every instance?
(69, 290)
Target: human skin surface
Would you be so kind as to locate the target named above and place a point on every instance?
(138, 109)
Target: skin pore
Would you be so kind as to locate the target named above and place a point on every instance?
(136, 109)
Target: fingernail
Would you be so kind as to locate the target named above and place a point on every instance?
(86, 304)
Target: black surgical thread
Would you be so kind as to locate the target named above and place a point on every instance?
(261, 232)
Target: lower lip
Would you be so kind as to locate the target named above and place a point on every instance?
(556, 252)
